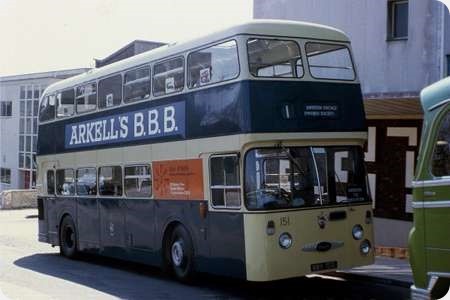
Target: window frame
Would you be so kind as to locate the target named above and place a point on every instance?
(98, 180)
(124, 72)
(224, 187)
(54, 182)
(188, 54)
(150, 175)
(163, 60)
(109, 76)
(283, 39)
(391, 22)
(74, 183)
(1, 175)
(355, 77)
(57, 103)
(439, 120)
(96, 97)
(4, 105)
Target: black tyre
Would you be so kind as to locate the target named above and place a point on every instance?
(68, 238)
(180, 254)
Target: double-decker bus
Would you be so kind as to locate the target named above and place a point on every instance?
(239, 154)
(429, 240)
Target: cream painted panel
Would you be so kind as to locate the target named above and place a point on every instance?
(137, 154)
(86, 159)
(109, 157)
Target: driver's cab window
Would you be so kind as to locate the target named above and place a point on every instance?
(441, 152)
(225, 182)
(50, 182)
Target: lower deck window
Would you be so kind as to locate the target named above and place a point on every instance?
(65, 183)
(138, 181)
(50, 182)
(86, 182)
(225, 183)
(110, 181)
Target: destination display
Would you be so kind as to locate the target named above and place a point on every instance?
(321, 111)
(161, 121)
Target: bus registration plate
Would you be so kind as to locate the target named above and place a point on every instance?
(324, 266)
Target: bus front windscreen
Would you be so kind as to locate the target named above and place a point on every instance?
(296, 177)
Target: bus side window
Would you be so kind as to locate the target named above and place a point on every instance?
(110, 181)
(225, 182)
(168, 76)
(65, 104)
(86, 97)
(138, 181)
(87, 182)
(65, 183)
(50, 182)
(213, 64)
(136, 85)
(441, 152)
(47, 109)
(110, 91)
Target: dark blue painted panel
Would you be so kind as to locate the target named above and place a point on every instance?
(242, 107)
(140, 223)
(112, 223)
(88, 223)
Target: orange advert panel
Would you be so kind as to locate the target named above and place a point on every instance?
(178, 179)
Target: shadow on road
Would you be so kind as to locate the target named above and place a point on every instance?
(135, 281)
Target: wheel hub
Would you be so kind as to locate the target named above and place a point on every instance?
(177, 253)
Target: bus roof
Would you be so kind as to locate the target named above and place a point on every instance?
(256, 27)
(435, 95)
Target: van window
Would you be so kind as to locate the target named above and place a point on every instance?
(136, 84)
(329, 61)
(110, 91)
(213, 64)
(441, 153)
(168, 76)
(86, 97)
(274, 58)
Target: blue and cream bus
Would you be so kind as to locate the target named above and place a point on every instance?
(239, 154)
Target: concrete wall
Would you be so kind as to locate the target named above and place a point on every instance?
(13, 199)
(404, 66)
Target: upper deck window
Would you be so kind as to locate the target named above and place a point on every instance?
(330, 61)
(213, 64)
(86, 97)
(136, 84)
(274, 58)
(47, 108)
(110, 91)
(65, 103)
(168, 76)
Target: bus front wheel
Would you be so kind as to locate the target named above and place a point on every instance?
(68, 238)
(181, 254)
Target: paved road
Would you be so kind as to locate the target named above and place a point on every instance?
(32, 270)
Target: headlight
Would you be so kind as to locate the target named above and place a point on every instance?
(365, 247)
(357, 232)
(285, 240)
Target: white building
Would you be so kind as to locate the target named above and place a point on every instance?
(19, 104)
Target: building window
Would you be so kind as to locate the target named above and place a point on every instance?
(6, 109)
(5, 175)
(397, 19)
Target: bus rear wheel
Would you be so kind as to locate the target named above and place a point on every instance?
(68, 238)
(181, 254)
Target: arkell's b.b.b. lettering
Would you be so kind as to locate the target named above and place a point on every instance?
(158, 121)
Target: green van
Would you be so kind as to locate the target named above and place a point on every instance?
(429, 239)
